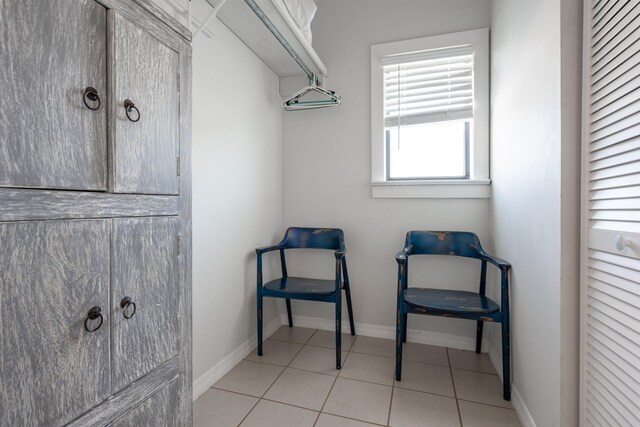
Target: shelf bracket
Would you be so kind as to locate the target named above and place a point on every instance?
(186, 13)
(212, 14)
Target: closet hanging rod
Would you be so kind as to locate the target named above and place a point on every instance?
(272, 28)
(267, 22)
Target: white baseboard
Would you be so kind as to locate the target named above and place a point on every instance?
(518, 403)
(521, 408)
(389, 332)
(220, 369)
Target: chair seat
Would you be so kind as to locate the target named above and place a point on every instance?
(300, 285)
(450, 301)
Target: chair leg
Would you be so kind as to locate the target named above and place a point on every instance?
(404, 328)
(506, 360)
(347, 293)
(259, 317)
(400, 334)
(289, 313)
(479, 336)
(338, 330)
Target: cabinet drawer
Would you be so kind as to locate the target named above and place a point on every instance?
(145, 110)
(145, 270)
(50, 52)
(51, 274)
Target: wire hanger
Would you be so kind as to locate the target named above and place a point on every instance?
(330, 100)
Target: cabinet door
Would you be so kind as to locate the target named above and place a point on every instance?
(161, 409)
(145, 147)
(145, 269)
(50, 52)
(51, 274)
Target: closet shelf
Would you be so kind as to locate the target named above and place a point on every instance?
(273, 35)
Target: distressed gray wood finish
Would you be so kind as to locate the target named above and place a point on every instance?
(18, 205)
(158, 410)
(50, 51)
(186, 347)
(140, 10)
(144, 154)
(144, 268)
(122, 402)
(51, 274)
(24, 204)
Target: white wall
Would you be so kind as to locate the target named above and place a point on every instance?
(327, 160)
(534, 209)
(237, 189)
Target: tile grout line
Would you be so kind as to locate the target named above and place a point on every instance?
(250, 410)
(263, 394)
(393, 386)
(393, 389)
(355, 419)
(326, 398)
(289, 404)
(293, 342)
(487, 404)
(274, 381)
(290, 367)
(236, 392)
(455, 394)
(342, 362)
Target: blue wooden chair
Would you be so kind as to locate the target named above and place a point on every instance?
(452, 303)
(308, 289)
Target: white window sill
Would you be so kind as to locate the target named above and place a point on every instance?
(436, 189)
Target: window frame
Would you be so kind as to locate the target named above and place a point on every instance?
(477, 185)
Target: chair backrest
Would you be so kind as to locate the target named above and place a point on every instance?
(314, 238)
(460, 243)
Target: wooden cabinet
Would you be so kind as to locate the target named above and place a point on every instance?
(95, 284)
(145, 149)
(51, 274)
(50, 52)
(56, 361)
(47, 126)
(145, 270)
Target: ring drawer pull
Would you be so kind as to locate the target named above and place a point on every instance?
(91, 94)
(125, 304)
(129, 106)
(93, 314)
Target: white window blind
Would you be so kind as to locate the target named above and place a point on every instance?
(427, 87)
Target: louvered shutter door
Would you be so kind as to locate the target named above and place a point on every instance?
(611, 285)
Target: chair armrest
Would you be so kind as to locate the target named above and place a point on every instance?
(401, 259)
(340, 254)
(265, 249)
(500, 263)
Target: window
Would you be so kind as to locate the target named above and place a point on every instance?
(430, 116)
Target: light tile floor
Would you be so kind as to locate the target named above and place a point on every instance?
(296, 384)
